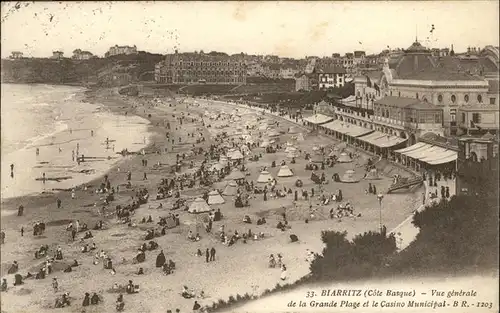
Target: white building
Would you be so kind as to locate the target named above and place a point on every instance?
(331, 77)
(117, 50)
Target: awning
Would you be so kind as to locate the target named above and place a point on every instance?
(318, 119)
(411, 148)
(422, 149)
(347, 129)
(382, 140)
(443, 160)
(440, 154)
(335, 125)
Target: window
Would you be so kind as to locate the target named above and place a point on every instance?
(479, 98)
(440, 98)
(437, 118)
(425, 99)
(453, 115)
(416, 95)
(466, 98)
(492, 100)
(476, 118)
(453, 98)
(463, 117)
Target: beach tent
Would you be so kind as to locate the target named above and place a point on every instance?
(285, 171)
(235, 175)
(348, 177)
(372, 174)
(231, 189)
(292, 154)
(215, 198)
(290, 149)
(236, 155)
(199, 206)
(293, 130)
(300, 137)
(264, 177)
(263, 126)
(344, 158)
(332, 154)
(316, 148)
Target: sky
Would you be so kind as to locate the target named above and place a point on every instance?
(292, 29)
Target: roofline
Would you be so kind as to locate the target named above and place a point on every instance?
(440, 83)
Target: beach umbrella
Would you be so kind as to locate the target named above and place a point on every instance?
(344, 158)
(264, 177)
(285, 171)
(199, 206)
(235, 175)
(215, 198)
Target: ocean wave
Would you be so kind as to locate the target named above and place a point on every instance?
(60, 126)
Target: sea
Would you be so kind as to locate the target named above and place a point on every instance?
(57, 122)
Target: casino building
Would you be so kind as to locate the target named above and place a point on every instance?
(414, 109)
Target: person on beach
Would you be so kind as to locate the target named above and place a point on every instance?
(55, 284)
(37, 151)
(22, 231)
(212, 254)
(73, 155)
(207, 255)
(196, 307)
(20, 210)
(92, 133)
(43, 178)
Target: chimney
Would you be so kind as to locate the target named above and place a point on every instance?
(176, 51)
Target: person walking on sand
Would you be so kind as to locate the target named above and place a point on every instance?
(55, 284)
(145, 176)
(73, 233)
(207, 255)
(212, 254)
(43, 178)
(91, 133)
(22, 231)
(59, 202)
(73, 194)
(37, 151)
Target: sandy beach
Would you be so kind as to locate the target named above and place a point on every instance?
(238, 269)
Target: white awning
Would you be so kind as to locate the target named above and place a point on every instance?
(346, 128)
(442, 154)
(318, 119)
(416, 152)
(382, 140)
(443, 160)
(411, 148)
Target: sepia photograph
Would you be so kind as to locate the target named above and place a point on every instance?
(249, 156)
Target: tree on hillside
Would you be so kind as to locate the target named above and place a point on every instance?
(342, 259)
(455, 235)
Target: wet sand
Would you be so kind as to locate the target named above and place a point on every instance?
(239, 269)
